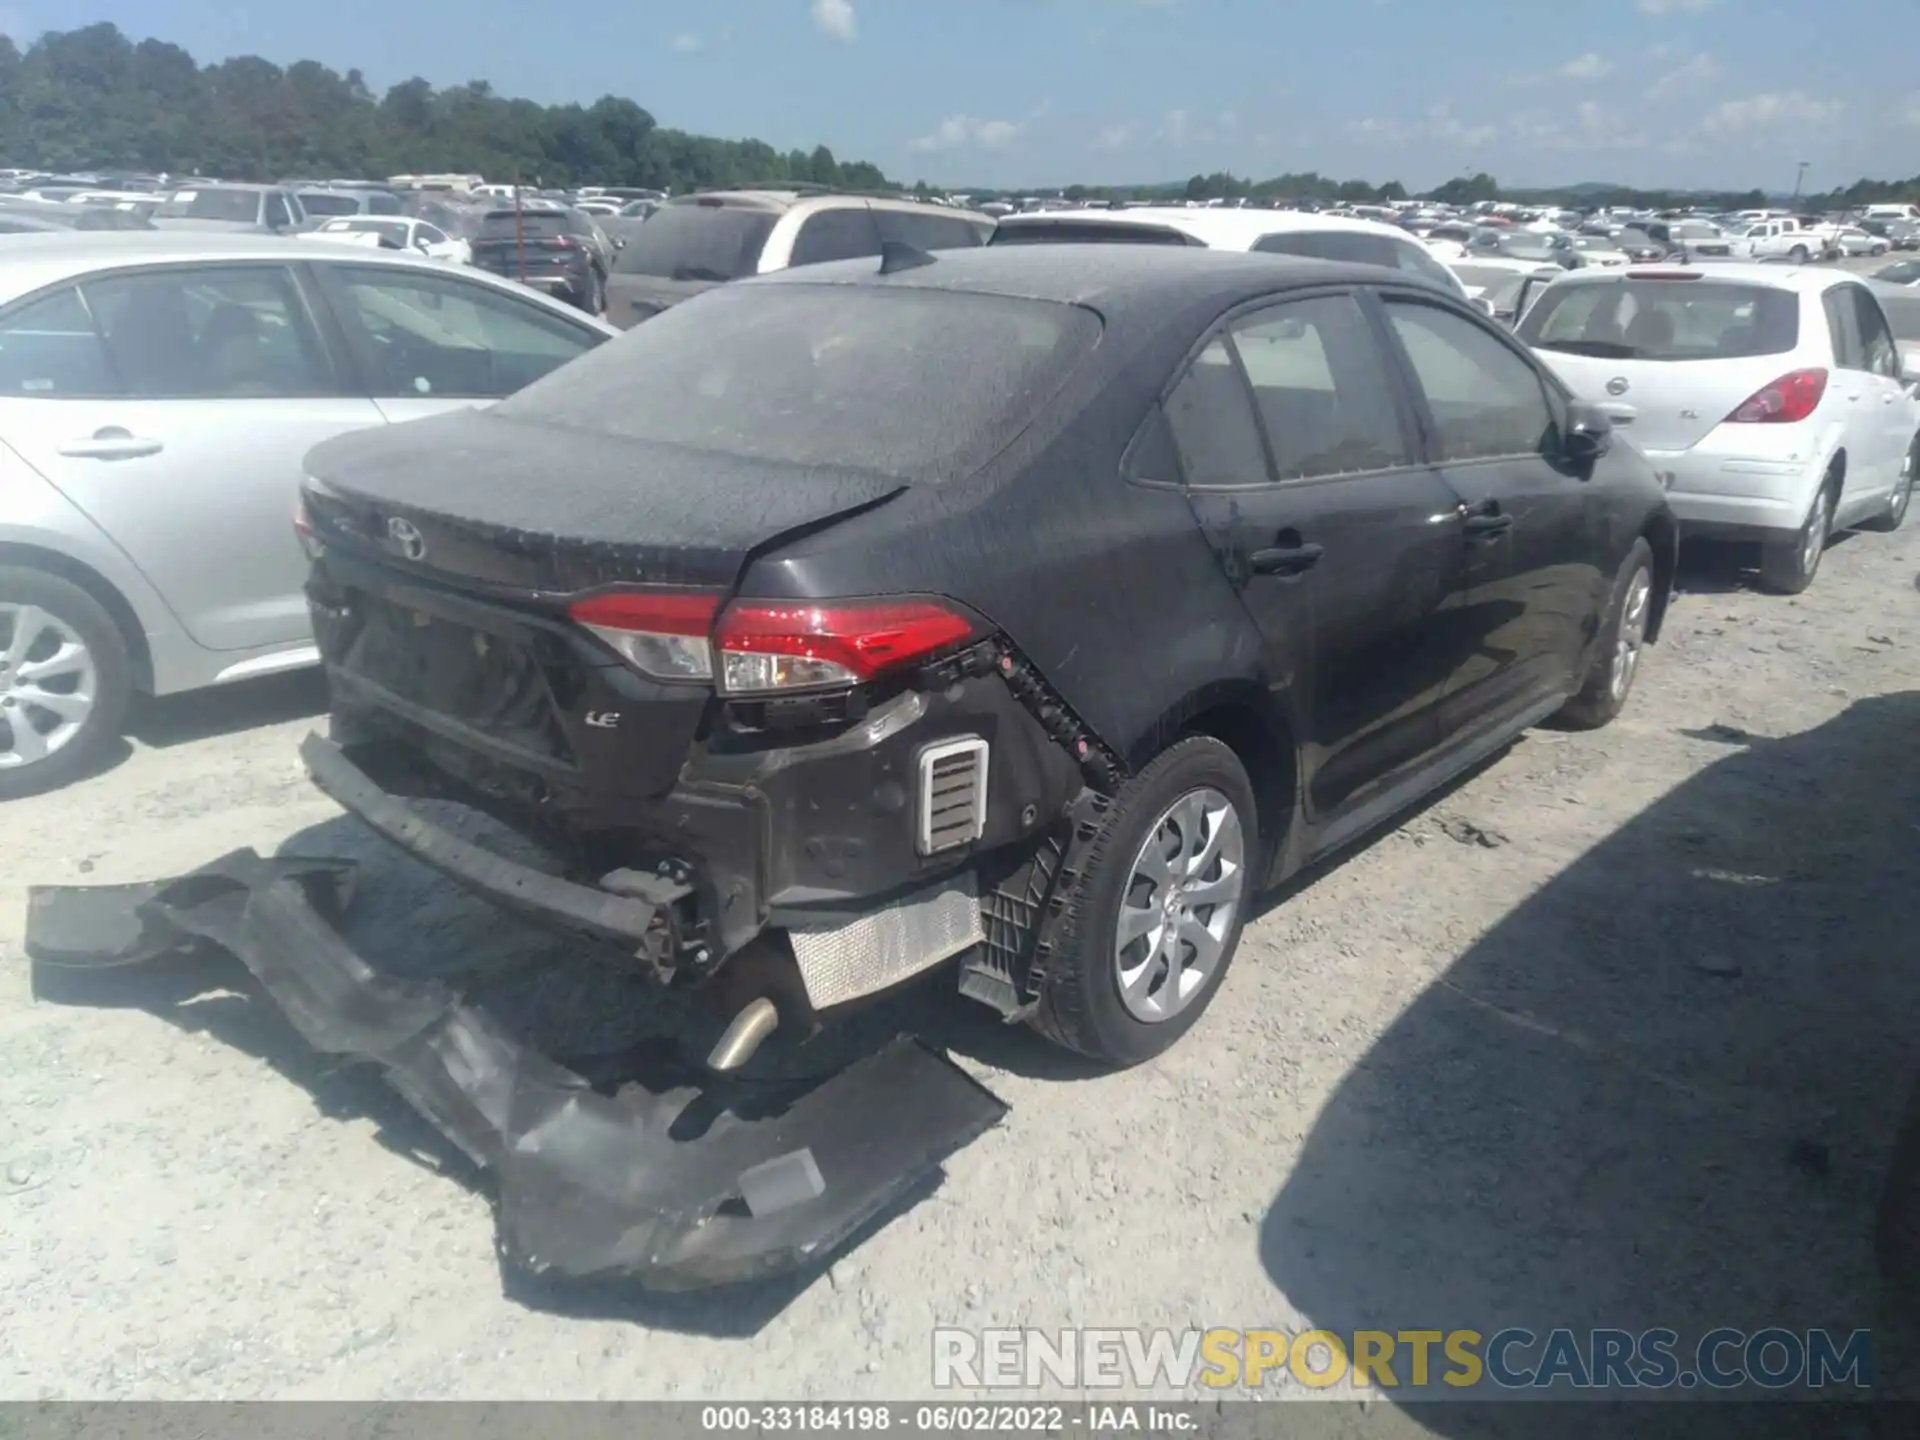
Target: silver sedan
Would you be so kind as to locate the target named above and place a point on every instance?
(157, 395)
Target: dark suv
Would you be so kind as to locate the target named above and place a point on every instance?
(698, 241)
(1032, 607)
(550, 248)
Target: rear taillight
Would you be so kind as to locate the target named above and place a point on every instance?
(662, 633)
(768, 646)
(1793, 397)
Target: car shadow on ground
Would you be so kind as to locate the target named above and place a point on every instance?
(225, 709)
(1660, 1093)
(1715, 567)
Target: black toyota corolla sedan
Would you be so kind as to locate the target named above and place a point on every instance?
(1026, 608)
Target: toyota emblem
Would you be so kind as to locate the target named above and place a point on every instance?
(406, 538)
(1617, 385)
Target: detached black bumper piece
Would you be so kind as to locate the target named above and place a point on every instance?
(635, 1184)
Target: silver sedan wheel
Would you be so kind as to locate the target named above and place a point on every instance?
(1814, 544)
(48, 683)
(1632, 636)
(1178, 911)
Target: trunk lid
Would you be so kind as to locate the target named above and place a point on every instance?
(1664, 405)
(519, 508)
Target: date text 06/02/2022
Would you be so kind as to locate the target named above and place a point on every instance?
(1514, 1358)
(944, 1418)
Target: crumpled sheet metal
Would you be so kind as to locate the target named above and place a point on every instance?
(633, 1184)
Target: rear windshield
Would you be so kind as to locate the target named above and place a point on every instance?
(697, 242)
(330, 204)
(1358, 248)
(241, 205)
(1088, 232)
(1664, 320)
(921, 385)
(533, 225)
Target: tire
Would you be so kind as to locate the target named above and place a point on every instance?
(1877, 251)
(1787, 567)
(1613, 669)
(1195, 794)
(61, 615)
(1798, 254)
(596, 302)
(1895, 515)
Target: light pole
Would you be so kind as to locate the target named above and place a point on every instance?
(1799, 176)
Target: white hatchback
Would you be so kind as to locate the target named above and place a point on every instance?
(1773, 401)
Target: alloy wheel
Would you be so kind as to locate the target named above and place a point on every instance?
(48, 684)
(1631, 638)
(1178, 910)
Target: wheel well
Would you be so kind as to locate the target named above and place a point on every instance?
(1663, 538)
(31, 557)
(1836, 472)
(1267, 753)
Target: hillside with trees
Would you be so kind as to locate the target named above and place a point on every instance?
(94, 99)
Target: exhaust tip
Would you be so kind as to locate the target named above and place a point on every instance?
(743, 1036)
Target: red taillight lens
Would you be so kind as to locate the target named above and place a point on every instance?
(1793, 397)
(772, 647)
(662, 633)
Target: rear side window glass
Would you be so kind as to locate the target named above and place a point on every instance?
(231, 332)
(1664, 320)
(844, 234)
(384, 205)
(922, 385)
(1876, 340)
(1321, 388)
(330, 204)
(50, 350)
(928, 232)
(277, 212)
(697, 242)
(1359, 249)
(1214, 430)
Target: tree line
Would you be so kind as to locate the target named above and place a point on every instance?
(92, 99)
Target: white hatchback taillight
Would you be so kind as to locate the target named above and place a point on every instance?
(1786, 401)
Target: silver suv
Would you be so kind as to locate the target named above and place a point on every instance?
(698, 241)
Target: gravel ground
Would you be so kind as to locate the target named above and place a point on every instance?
(1615, 1032)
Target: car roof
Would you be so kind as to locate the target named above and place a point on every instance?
(1217, 229)
(1120, 281)
(1802, 279)
(33, 262)
(780, 201)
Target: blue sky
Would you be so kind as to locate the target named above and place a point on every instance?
(1031, 92)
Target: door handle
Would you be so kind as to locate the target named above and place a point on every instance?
(110, 443)
(1485, 521)
(1285, 560)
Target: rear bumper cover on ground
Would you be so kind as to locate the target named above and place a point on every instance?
(673, 1188)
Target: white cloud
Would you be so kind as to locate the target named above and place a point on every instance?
(1589, 126)
(958, 132)
(1439, 123)
(1590, 66)
(1116, 137)
(1676, 7)
(1174, 126)
(1685, 75)
(1792, 107)
(836, 17)
(687, 43)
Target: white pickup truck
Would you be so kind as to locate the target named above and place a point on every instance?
(1782, 240)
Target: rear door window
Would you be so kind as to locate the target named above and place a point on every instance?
(1215, 433)
(211, 332)
(1321, 387)
(844, 233)
(1876, 340)
(49, 350)
(1843, 326)
(1684, 319)
(697, 242)
(278, 215)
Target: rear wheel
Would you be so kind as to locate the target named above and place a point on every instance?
(1623, 636)
(1895, 514)
(65, 680)
(1158, 915)
(1788, 566)
(1798, 254)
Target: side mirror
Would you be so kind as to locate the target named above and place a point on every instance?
(1589, 434)
(1483, 305)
